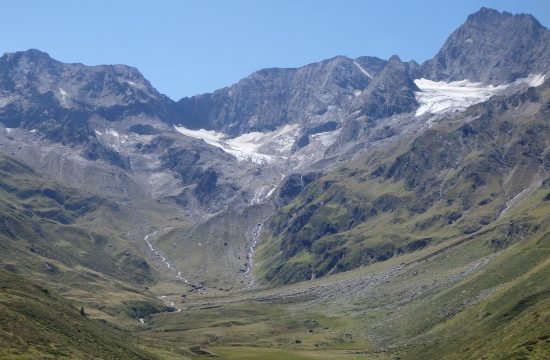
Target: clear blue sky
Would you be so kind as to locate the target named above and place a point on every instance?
(190, 47)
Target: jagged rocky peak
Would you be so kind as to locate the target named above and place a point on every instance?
(270, 98)
(23, 70)
(392, 92)
(34, 72)
(492, 47)
(29, 57)
(59, 100)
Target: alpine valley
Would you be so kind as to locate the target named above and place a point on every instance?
(350, 208)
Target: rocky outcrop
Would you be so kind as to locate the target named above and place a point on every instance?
(492, 47)
(61, 100)
(390, 93)
(270, 98)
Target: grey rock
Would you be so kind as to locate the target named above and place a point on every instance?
(38, 92)
(392, 92)
(270, 98)
(492, 47)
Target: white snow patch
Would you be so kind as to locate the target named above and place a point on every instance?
(9, 130)
(258, 147)
(535, 80)
(133, 84)
(362, 69)
(64, 97)
(34, 131)
(438, 96)
(113, 133)
(357, 92)
(270, 192)
(113, 138)
(262, 194)
(5, 100)
(326, 138)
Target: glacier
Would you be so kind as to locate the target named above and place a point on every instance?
(438, 96)
(258, 147)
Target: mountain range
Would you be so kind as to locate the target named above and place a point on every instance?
(346, 208)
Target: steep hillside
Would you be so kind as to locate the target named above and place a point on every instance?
(455, 178)
(270, 98)
(37, 324)
(71, 242)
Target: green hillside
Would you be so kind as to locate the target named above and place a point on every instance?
(70, 241)
(36, 324)
(456, 178)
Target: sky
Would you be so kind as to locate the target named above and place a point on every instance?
(189, 47)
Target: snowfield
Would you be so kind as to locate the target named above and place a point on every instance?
(258, 147)
(438, 96)
(362, 69)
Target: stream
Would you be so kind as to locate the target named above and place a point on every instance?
(162, 258)
(256, 231)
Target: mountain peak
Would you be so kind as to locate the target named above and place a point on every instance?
(31, 55)
(484, 14)
(394, 59)
(492, 47)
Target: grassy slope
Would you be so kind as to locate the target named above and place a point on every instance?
(463, 299)
(214, 251)
(462, 295)
(510, 316)
(71, 242)
(34, 323)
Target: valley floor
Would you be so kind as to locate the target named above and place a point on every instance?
(459, 299)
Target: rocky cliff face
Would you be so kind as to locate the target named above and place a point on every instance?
(492, 47)
(309, 96)
(392, 92)
(271, 98)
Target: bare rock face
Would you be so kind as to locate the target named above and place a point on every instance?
(390, 93)
(270, 98)
(38, 92)
(315, 96)
(492, 47)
